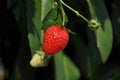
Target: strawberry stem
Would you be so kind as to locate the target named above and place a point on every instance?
(75, 11)
(93, 23)
(63, 15)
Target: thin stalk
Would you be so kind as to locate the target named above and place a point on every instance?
(75, 11)
(63, 16)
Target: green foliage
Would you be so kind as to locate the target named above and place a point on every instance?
(104, 33)
(90, 48)
(52, 18)
(65, 69)
(36, 11)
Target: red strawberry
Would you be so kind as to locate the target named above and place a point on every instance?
(55, 39)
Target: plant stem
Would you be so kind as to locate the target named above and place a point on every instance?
(63, 14)
(75, 11)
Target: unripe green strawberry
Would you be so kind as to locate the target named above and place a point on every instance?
(55, 39)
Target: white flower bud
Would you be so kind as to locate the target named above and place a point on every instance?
(37, 61)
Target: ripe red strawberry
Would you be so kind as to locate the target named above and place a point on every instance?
(55, 39)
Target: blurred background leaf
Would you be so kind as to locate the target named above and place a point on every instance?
(29, 15)
(104, 35)
(36, 11)
(84, 43)
(24, 53)
(65, 69)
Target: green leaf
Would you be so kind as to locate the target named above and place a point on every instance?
(65, 69)
(104, 32)
(36, 12)
(104, 39)
(84, 44)
(53, 17)
(29, 15)
(23, 58)
(87, 53)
